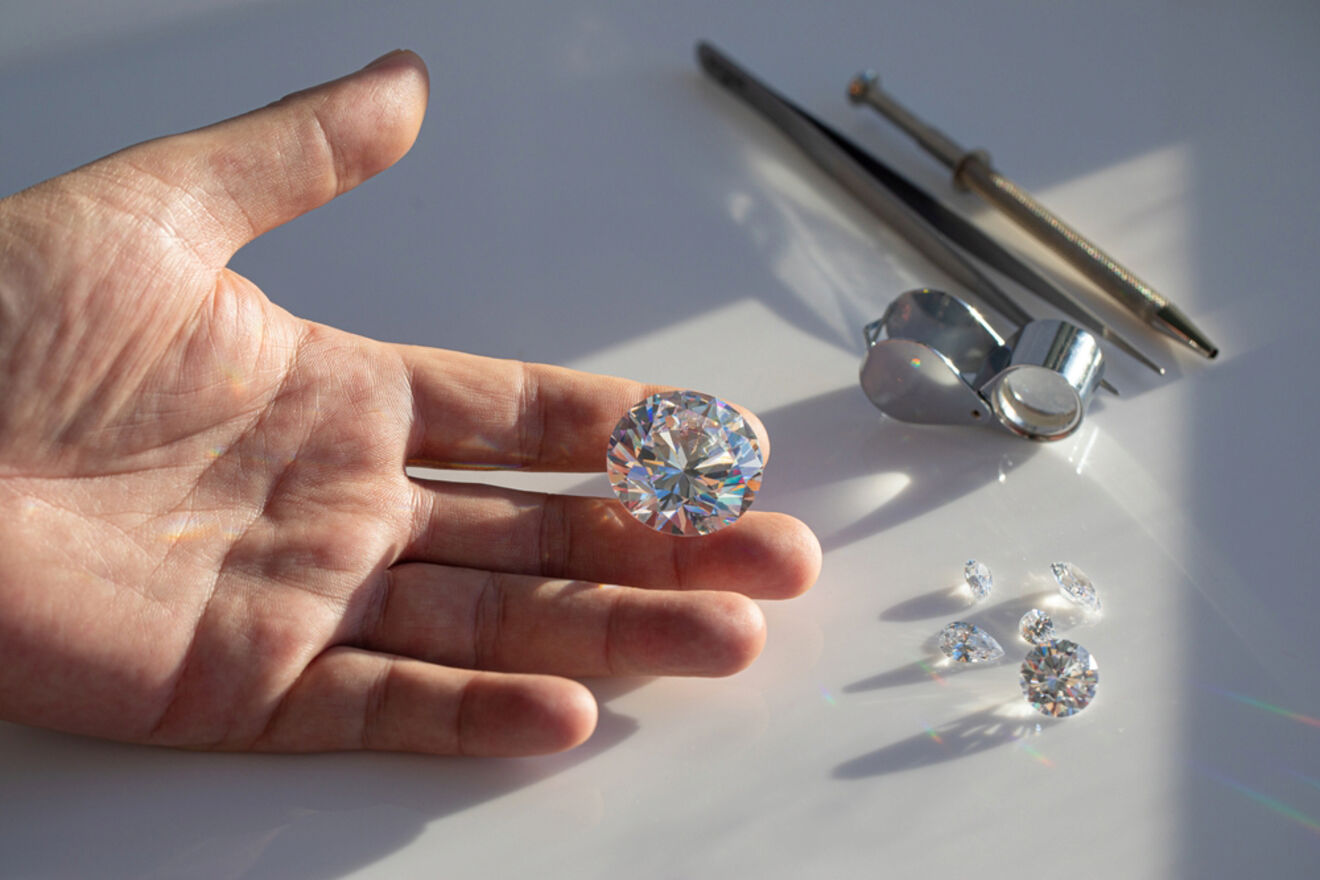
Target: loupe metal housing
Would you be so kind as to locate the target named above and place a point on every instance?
(933, 359)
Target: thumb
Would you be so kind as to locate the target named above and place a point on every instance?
(230, 182)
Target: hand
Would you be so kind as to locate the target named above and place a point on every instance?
(207, 536)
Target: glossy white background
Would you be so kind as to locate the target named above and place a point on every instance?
(581, 195)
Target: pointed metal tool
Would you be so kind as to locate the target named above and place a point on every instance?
(933, 229)
(973, 170)
(980, 245)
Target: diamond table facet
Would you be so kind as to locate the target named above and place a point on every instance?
(1059, 678)
(968, 643)
(684, 463)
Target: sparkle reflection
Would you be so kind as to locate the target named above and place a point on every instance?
(1033, 753)
(1314, 783)
(1274, 805)
(179, 528)
(935, 676)
(1266, 707)
(235, 379)
(1083, 443)
(185, 528)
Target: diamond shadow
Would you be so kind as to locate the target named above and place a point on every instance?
(912, 673)
(969, 735)
(937, 603)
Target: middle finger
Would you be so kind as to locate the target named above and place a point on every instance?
(763, 555)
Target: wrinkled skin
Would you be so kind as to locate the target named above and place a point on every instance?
(207, 535)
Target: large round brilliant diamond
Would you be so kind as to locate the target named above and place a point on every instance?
(685, 463)
(1059, 678)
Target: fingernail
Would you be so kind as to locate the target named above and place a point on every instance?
(386, 58)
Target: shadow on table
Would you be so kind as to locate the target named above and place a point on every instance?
(851, 473)
(912, 673)
(943, 602)
(969, 735)
(79, 808)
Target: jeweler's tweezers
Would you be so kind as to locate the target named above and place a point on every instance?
(924, 222)
(972, 170)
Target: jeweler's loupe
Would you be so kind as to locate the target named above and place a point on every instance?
(933, 359)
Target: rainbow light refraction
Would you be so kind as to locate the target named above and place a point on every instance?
(1267, 707)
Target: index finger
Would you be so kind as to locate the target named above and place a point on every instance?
(478, 412)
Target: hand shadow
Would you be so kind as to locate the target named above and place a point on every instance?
(279, 816)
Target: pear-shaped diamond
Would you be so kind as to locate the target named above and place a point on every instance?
(968, 643)
(1059, 678)
(978, 579)
(1036, 627)
(1076, 586)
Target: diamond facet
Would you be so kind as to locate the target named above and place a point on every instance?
(978, 578)
(1036, 627)
(684, 463)
(968, 643)
(1076, 586)
(1059, 678)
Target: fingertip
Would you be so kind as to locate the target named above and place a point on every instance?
(771, 556)
(802, 556)
(690, 632)
(518, 715)
(578, 716)
(400, 87)
(736, 633)
(395, 57)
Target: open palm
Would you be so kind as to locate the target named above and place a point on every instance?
(207, 535)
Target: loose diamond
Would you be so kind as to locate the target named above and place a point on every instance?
(684, 463)
(1076, 586)
(978, 578)
(968, 643)
(1036, 627)
(1059, 678)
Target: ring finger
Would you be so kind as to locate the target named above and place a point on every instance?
(517, 623)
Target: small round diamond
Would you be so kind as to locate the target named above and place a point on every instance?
(968, 643)
(1059, 678)
(979, 579)
(1036, 627)
(684, 463)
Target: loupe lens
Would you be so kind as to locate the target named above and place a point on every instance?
(1036, 402)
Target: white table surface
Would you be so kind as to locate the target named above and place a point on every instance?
(581, 195)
